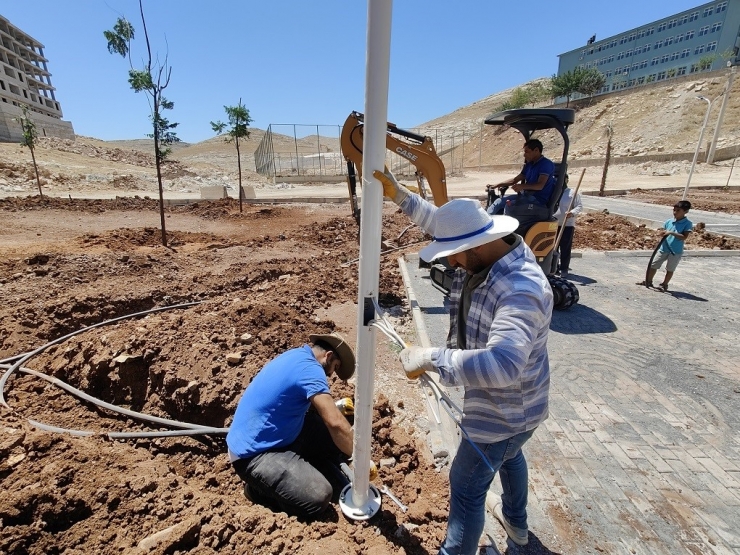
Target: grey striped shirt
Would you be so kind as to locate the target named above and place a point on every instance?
(504, 369)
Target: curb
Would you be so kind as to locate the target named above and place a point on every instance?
(442, 441)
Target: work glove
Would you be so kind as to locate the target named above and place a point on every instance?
(346, 406)
(391, 188)
(350, 473)
(373, 471)
(416, 361)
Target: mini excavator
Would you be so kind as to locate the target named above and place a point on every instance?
(539, 233)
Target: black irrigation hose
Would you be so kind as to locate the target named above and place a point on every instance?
(19, 362)
(652, 257)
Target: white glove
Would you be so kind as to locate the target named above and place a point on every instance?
(416, 361)
(391, 188)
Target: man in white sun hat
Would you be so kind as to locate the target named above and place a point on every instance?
(500, 310)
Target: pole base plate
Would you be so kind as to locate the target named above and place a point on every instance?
(365, 512)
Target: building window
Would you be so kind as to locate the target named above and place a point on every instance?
(708, 11)
(683, 19)
(643, 64)
(681, 71)
(694, 16)
(632, 37)
(712, 46)
(635, 66)
(716, 27)
(672, 23)
(674, 56)
(689, 35)
(685, 53)
(2, 84)
(669, 41)
(722, 6)
(640, 80)
(622, 40)
(658, 44)
(650, 31)
(679, 37)
(608, 74)
(628, 54)
(646, 48)
(664, 58)
(660, 76)
(654, 61)
(694, 68)
(699, 49)
(662, 27)
(704, 31)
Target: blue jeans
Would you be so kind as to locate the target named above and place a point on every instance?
(470, 478)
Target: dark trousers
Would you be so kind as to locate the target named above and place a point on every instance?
(566, 244)
(300, 479)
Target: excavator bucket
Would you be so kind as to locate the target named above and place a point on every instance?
(417, 149)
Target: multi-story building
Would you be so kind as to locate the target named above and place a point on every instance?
(704, 38)
(25, 79)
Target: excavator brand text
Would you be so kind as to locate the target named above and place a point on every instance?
(406, 154)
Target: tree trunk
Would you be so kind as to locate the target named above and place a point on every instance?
(239, 165)
(158, 162)
(606, 164)
(36, 169)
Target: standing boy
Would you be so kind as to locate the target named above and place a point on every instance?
(676, 231)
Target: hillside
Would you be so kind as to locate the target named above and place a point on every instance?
(653, 120)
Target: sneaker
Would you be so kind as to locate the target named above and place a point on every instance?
(663, 287)
(519, 536)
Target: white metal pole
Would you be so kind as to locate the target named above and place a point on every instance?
(721, 117)
(376, 116)
(698, 145)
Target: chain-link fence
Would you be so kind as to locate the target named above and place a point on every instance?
(295, 150)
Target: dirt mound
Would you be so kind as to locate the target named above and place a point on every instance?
(710, 200)
(604, 232)
(96, 495)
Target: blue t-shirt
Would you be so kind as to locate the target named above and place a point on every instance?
(679, 226)
(273, 408)
(532, 172)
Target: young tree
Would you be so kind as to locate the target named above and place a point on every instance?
(152, 79)
(590, 81)
(28, 128)
(539, 92)
(565, 84)
(237, 128)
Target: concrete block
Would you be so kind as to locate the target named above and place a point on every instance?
(213, 192)
(248, 192)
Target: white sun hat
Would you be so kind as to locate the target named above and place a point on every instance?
(462, 224)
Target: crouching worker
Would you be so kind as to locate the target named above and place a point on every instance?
(288, 436)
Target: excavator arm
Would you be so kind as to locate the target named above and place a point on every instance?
(417, 149)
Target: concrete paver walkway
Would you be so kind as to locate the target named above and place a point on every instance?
(641, 453)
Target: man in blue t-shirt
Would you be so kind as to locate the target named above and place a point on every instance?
(675, 232)
(536, 181)
(288, 436)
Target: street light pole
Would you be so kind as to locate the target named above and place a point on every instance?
(720, 118)
(698, 144)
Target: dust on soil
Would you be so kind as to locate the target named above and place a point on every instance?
(64, 494)
(710, 200)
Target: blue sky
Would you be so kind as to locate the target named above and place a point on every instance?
(294, 61)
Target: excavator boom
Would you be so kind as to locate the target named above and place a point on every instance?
(417, 149)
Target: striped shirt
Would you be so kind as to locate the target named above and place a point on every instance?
(504, 370)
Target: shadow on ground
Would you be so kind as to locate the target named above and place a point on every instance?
(580, 319)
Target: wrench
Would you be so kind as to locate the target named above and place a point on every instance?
(396, 500)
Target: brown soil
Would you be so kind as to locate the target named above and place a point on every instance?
(64, 494)
(712, 200)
